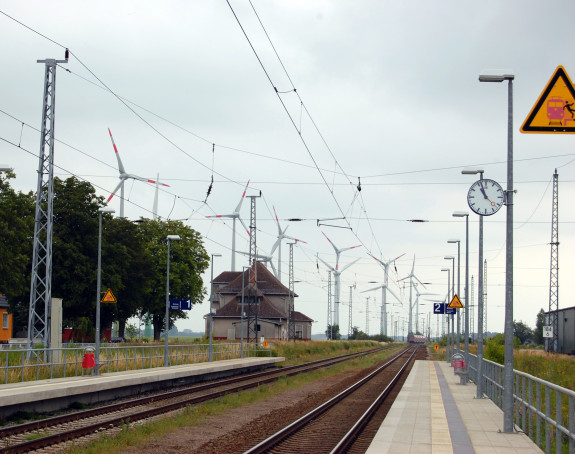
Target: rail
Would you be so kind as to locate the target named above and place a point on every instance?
(20, 365)
(543, 410)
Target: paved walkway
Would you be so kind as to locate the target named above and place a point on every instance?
(434, 414)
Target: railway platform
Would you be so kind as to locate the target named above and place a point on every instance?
(434, 414)
(57, 394)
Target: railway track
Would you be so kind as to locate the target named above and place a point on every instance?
(36, 435)
(344, 423)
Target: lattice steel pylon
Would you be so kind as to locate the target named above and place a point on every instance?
(350, 322)
(552, 343)
(252, 315)
(329, 313)
(41, 275)
(484, 296)
(291, 311)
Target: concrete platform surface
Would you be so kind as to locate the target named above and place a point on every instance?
(53, 394)
(434, 414)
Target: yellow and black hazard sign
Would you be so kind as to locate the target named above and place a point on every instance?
(109, 297)
(455, 303)
(554, 111)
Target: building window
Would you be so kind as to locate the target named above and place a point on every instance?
(299, 331)
(5, 320)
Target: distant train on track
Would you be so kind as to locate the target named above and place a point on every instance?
(417, 339)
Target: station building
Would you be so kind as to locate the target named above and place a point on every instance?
(566, 328)
(272, 305)
(6, 317)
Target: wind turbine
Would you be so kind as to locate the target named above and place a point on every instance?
(417, 295)
(411, 276)
(263, 258)
(235, 215)
(278, 244)
(384, 288)
(336, 272)
(123, 177)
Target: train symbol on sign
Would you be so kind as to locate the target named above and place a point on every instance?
(558, 110)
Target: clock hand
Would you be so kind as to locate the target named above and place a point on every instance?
(483, 192)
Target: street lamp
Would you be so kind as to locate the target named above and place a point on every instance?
(508, 366)
(452, 341)
(448, 286)
(480, 293)
(452, 241)
(5, 168)
(458, 330)
(167, 318)
(211, 324)
(465, 214)
(101, 211)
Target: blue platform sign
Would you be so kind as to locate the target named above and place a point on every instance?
(450, 310)
(439, 308)
(179, 304)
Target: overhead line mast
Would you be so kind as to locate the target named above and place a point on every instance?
(41, 276)
(552, 343)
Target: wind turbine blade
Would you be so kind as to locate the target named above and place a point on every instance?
(325, 263)
(376, 259)
(120, 165)
(157, 182)
(243, 197)
(115, 190)
(222, 216)
(398, 257)
(417, 279)
(275, 246)
(372, 289)
(247, 230)
(413, 265)
(330, 242)
(278, 221)
(348, 248)
(274, 269)
(348, 265)
(394, 295)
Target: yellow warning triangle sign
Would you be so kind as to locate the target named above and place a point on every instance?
(109, 297)
(455, 303)
(554, 111)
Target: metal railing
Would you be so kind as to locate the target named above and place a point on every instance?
(19, 365)
(543, 410)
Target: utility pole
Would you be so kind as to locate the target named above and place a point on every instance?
(329, 313)
(350, 324)
(472, 313)
(252, 334)
(484, 296)
(39, 316)
(552, 343)
(291, 316)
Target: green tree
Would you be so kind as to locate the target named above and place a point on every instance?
(188, 260)
(522, 331)
(538, 332)
(127, 269)
(332, 332)
(16, 234)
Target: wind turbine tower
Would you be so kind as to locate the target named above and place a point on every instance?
(278, 244)
(337, 273)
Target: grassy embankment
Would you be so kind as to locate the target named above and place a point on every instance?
(295, 353)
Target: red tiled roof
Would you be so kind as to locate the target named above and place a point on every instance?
(265, 309)
(267, 283)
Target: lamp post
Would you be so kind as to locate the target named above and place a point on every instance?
(452, 340)
(5, 168)
(167, 317)
(101, 211)
(479, 378)
(458, 331)
(508, 366)
(460, 214)
(447, 355)
(211, 324)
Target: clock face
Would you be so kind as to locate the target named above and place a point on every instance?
(485, 197)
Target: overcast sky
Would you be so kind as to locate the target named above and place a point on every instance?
(387, 92)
